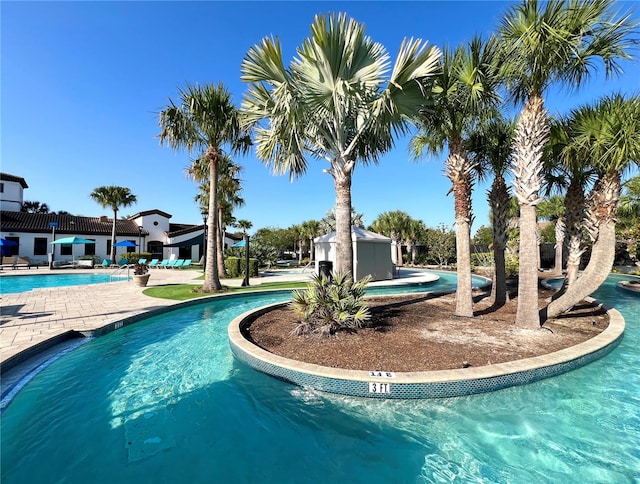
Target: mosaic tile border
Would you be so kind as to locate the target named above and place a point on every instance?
(426, 384)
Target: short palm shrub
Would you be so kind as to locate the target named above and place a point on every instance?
(331, 304)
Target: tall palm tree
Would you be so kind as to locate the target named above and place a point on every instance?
(113, 197)
(331, 104)
(464, 91)
(489, 146)
(545, 43)
(609, 135)
(203, 121)
(569, 171)
(229, 188)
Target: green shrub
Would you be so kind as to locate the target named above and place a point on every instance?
(235, 267)
(331, 304)
(232, 266)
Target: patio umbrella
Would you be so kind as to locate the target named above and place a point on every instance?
(73, 241)
(5, 246)
(125, 243)
(238, 244)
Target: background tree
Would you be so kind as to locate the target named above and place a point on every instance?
(544, 43)
(113, 197)
(328, 222)
(393, 224)
(245, 225)
(330, 104)
(34, 207)
(441, 244)
(415, 233)
(489, 146)
(203, 121)
(311, 229)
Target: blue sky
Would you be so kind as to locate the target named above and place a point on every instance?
(82, 83)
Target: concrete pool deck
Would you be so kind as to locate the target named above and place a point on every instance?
(32, 318)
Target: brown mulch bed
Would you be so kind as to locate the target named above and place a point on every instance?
(419, 332)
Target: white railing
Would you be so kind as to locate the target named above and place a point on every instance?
(120, 272)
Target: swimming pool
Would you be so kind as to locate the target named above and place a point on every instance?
(164, 401)
(13, 284)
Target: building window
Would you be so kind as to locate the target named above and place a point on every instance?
(90, 249)
(131, 249)
(40, 246)
(1, 187)
(66, 249)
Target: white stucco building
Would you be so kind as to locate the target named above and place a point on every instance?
(151, 231)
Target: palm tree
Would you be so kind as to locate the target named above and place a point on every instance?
(489, 146)
(229, 187)
(245, 225)
(395, 225)
(569, 171)
(544, 43)
(464, 91)
(312, 230)
(113, 197)
(609, 134)
(203, 121)
(330, 104)
(328, 222)
(416, 231)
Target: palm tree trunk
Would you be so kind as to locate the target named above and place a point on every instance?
(458, 170)
(596, 272)
(498, 197)
(530, 138)
(211, 277)
(113, 237)
(221, 230)
(527, 311)
(312, 248)
(603, 204)
(574, 212)
(560, 231)
(344, 245)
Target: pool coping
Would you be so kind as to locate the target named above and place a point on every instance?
(422, 384)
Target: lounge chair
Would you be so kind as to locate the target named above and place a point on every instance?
(187, 263)
(142, 261)
(153, 263)
(106, 263)
(163, 263)
(178, 264)
(171, 263)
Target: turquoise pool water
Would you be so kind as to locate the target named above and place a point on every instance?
(13, 284)
(164, 401)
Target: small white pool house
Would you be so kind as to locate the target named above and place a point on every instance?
(371, 254)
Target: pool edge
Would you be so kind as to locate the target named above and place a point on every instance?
(426, 384)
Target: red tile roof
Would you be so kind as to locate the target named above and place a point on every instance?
(67, 224)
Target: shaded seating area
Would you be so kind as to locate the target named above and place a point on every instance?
(18, 262)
